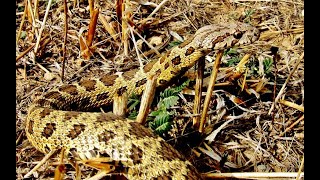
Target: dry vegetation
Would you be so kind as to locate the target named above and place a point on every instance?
(260, 123)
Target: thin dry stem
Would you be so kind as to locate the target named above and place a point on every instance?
(136, 48)
(22, 22)
(120, 105)
(146, 100)
(25, 52)
(60, 169)
(42, 28)
(86, 46)
(34, 29)
(92, 27)
(64, 38)
(291, 126)
(210, 90)
(285, 83)
(124, 26)
(36, 10)
(46, 157)
(91, 7)
(108, 27)
(300, 168)
(157, 8)
(291, 104)
(198, 92)
(148, 44)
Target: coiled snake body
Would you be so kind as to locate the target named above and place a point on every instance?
(58, 119)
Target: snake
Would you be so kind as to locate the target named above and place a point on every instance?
(65, 118)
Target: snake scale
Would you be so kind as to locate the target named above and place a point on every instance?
(61, 118)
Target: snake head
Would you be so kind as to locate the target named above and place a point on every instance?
(223, 36)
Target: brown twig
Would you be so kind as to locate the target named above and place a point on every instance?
(300, 168)
(91, 7)
(92, 27)
(210, 89)
(124, 24)
(119, 9)
(36, 11)
(22, 21)
(157, 8)
(60, 169)
(25, 52)
(47, 156)
(291, 104)
(286, 82)
(108, 27)
(42, 28)
(292, 125)
(86, 46)
(31, 18)
(146, 100)
(198, 91)
(64, 38)
(120, 105)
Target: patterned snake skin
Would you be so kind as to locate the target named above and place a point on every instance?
(60, 118)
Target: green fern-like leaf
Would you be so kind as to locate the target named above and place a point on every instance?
(174, 43)
(233, 61)
(267, 63)
(165, 127)
(169, 101)
(133, 102)
(168, 92)
(174, 91)
(231, 52)
(162, 117)
(183, 85)
(154, 113)
(248, 15)
(133, 115)
(161, 123)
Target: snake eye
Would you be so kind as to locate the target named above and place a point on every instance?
(162, 81)
(237, 35)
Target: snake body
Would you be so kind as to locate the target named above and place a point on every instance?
(60, 118)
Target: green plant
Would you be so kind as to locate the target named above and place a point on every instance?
(20, 8)
(161, 119)
(23, 34)
(133, 102)
(174, 43)
(231, 52)
(233, 61)
(234, 56)
(267, 64)
(248, 14)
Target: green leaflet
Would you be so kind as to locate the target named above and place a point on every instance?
(161, 122)
(163, 117)
(169, 101)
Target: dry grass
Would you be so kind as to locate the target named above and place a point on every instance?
(260, 123)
